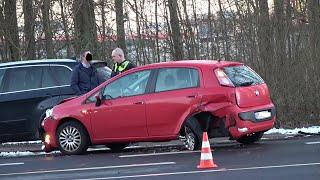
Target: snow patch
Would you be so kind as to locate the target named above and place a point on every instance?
(24, 142)
(313, 129)
(24, 153)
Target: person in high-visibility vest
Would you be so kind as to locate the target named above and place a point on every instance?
(120, 63)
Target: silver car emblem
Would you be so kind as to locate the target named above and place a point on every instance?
(257, 92)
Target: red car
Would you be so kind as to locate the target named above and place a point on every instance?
(161, 102)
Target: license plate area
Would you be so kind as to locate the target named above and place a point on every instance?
(262, 115)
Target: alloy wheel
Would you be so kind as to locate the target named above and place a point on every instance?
(70, 139)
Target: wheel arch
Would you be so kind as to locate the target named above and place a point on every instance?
(69, 119)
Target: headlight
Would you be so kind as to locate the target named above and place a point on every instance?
(48, 113)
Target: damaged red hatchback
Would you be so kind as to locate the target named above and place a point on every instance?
(161, 102)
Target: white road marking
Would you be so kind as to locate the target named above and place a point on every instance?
(12, 164)
(157, 154)
(90, 168)
(204, 171)
(317, 142)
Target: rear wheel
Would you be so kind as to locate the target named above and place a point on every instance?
(249, 139)
(191, 135)
(72, 138)
(117, 147)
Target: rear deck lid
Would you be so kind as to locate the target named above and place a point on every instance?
(250, 88)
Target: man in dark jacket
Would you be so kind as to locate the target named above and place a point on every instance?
(120, 63)
(84, 77)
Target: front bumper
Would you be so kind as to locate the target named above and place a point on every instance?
(49, 142)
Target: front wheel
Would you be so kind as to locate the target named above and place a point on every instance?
(72, 138)
(249, 139)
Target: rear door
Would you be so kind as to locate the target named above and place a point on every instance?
(249, 86)
(20, 95)
(175, 97)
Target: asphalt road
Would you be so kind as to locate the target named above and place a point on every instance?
(295, 159)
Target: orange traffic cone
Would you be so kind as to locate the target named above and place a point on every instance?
(206, 160)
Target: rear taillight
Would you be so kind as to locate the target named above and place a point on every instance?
(223, 78)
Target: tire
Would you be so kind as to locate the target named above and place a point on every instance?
(72, 138)
(191, 134)
(250, 139)
(117, 147)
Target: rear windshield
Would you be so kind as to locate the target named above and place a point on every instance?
(242, 76)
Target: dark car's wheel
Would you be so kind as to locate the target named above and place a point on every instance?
(72, 138)
(191, 135)
(117, 147)
(249, 139)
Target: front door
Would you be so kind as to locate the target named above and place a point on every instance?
(122, 113)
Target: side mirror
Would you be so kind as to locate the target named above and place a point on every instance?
(98, 100)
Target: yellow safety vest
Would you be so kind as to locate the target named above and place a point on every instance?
(121, 67)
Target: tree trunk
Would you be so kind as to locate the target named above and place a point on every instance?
(12, 34)
(224, 29)
(85, 27)
(103, 34)
(264, 42)
(29, 23)
(47, 29)
(121, 40)
(157, 31)
(190, 31)
(175, 26)
(65, 29)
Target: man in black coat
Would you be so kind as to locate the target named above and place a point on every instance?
(84, 77)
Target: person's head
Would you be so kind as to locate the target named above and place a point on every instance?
(86, 56)
(117, 55)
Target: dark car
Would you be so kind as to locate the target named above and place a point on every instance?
(29, 88)
(163, 101)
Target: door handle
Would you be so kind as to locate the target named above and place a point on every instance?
(191, 96)
(139, 103)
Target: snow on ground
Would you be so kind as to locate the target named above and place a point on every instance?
(313, 129)
(23, 153)
(24, 142)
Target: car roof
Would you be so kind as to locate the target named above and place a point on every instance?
(198, 63)
(41, 61)
(44, 61)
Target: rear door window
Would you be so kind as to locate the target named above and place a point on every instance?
(48, 78)
(23, 78)
(62, 75)
(176, 78)
(242, 76)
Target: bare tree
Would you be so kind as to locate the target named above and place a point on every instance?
(29, 23)
(85, 27)
(264, 34)
(65, 28)
(175, 26)
(121, 41)
(45, 8)
(11, 32)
